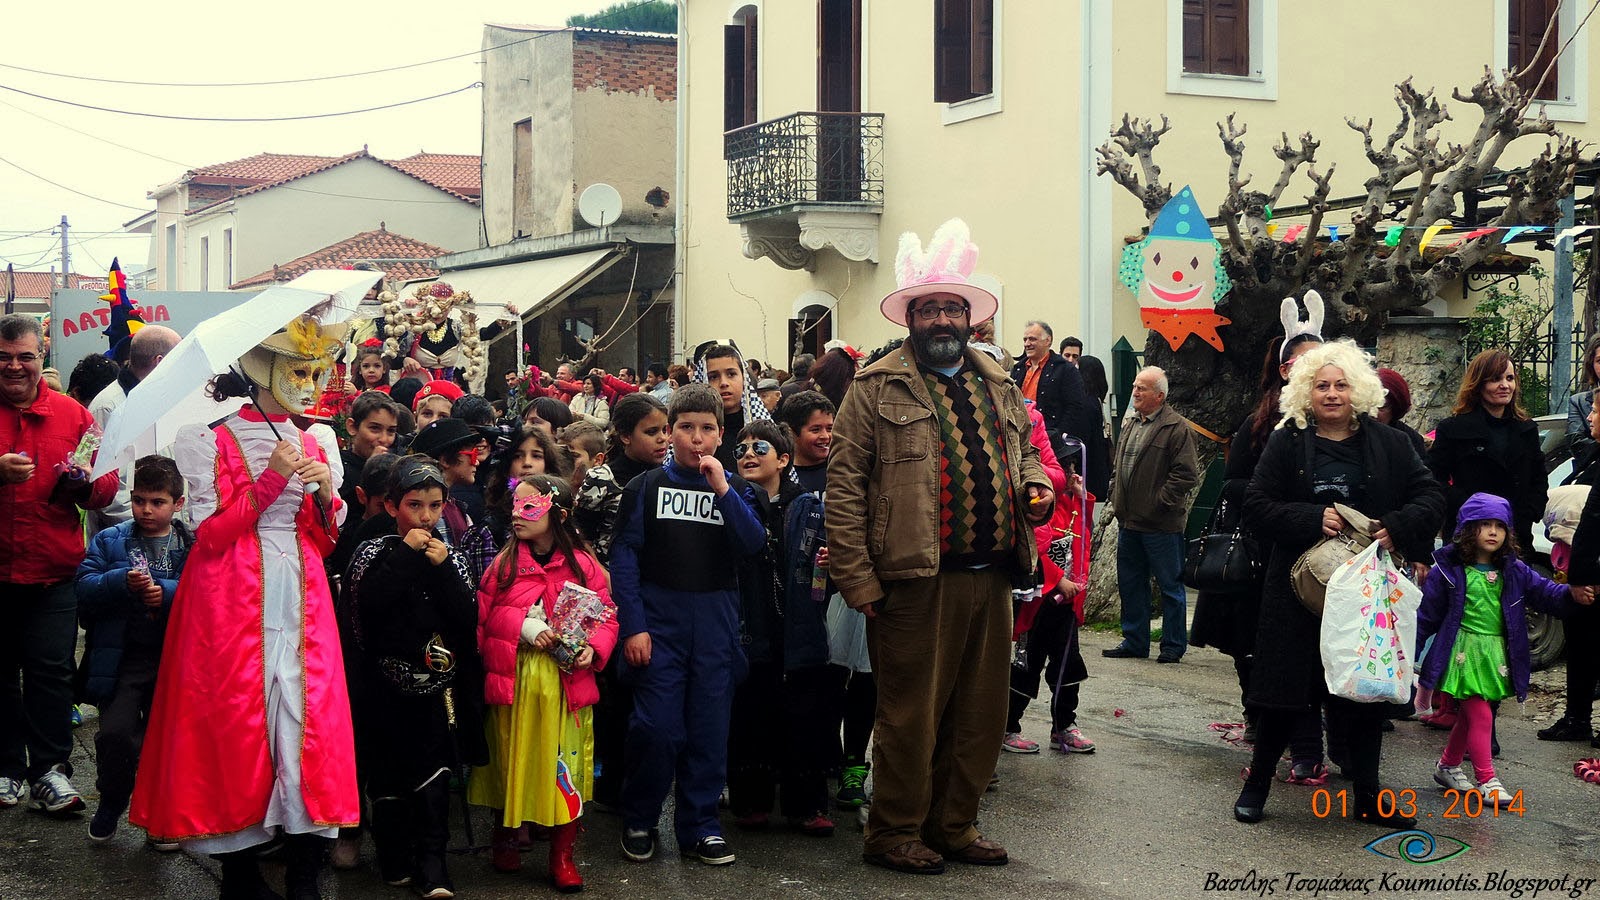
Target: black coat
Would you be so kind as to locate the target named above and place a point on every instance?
(1399, 490)
(396, 600)
(1463, 460)
(1062, 400)
(1228, 620)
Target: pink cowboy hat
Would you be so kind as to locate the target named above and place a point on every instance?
(944, 268)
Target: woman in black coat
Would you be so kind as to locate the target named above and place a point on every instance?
(1227, 620)
(1490, 445)
(1330, 450)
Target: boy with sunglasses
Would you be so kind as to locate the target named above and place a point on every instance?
(780, 745)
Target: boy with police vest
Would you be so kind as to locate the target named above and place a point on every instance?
(680, 534)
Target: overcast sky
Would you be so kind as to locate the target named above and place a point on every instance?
(188, 41)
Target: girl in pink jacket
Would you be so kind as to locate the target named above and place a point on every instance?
(539, 720)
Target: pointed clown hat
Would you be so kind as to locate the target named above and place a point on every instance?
(945, 267)
(1182, 221)
(302, 339)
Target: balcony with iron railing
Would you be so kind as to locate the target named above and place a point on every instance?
(806, 182)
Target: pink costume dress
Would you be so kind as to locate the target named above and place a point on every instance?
(250, 727)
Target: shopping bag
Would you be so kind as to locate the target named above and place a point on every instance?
(1369, 628)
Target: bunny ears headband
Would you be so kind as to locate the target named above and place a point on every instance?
(1294, 326)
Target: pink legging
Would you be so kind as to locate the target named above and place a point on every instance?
(1470, 737)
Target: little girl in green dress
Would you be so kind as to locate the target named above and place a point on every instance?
(1475, 601)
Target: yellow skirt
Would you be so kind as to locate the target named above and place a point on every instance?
(541, 754)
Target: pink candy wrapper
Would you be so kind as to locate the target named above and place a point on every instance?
(578, 614)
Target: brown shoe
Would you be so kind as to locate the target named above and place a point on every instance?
(912, 857)
(981, 852)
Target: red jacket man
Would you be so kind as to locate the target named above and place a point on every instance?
(41, 545)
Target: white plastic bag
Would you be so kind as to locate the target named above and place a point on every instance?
(1369, 627)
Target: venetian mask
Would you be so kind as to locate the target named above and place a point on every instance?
(533, 507)
(298, 383)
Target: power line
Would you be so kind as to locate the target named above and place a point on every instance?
(68, 189)
(240, 119)
(79, 243)
(97, 137)
(20, 235)
(313, 78)
(34, 262)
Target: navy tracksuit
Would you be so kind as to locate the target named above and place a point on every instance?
(675, 575)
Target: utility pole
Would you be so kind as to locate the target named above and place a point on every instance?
(66, 258)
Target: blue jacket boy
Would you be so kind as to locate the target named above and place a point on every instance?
(109, 612)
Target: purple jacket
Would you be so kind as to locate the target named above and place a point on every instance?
(1444, 600)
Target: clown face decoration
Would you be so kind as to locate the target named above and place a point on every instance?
(1177, 276)
(297, 383)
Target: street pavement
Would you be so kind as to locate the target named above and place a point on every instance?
(1147, 815)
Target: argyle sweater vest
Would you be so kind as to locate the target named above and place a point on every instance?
(977, 522)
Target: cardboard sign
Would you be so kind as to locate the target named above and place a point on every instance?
(1176, 274)
(78, 318)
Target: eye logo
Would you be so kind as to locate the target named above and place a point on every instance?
(1418, 847)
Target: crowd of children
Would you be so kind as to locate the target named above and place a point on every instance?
(417, 630)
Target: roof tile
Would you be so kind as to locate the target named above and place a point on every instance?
(395, 254)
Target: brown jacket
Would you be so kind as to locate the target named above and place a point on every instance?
(883, 476)
(1154, 495)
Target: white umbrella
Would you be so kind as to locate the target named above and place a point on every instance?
(174, 395)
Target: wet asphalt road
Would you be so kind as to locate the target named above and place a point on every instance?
(1147, 815)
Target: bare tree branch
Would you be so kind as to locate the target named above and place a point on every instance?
(1293, 158)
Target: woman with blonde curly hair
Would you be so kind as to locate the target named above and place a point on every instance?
(1329, 448)
(1491, 445)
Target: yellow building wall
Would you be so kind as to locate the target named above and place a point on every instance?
(1020, 177)
(1012, 176)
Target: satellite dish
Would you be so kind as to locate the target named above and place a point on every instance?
(600, 205)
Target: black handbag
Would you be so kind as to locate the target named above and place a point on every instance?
(1225, 557)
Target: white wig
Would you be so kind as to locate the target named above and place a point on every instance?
(1366, 394)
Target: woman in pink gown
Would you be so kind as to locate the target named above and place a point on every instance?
(249, 732)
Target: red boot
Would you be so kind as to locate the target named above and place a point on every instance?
(564, 872)
(503, 851)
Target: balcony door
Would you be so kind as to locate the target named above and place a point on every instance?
(839, 91)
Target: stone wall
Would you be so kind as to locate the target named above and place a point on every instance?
(1430, 353)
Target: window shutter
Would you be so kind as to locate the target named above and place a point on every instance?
(1230, 37)
(733, 87)
(1525, 29)
(952, 51)
(1195, 58)
(751, 72)
(982, 47)
(1216, 37)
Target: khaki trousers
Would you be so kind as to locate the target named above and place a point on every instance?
(941, 652)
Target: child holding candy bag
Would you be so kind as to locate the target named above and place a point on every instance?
(540, 725)
(1475, 602)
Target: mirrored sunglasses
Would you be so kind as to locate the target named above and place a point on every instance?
(761, 448)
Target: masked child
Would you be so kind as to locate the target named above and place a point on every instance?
(541, 738)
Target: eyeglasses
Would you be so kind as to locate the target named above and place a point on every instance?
(21, 359)
(761, 448)
(948, 310)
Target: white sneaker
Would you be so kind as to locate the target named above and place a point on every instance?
(10, 792)
(1494, 792)
(54, 793)
(1451, 777)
